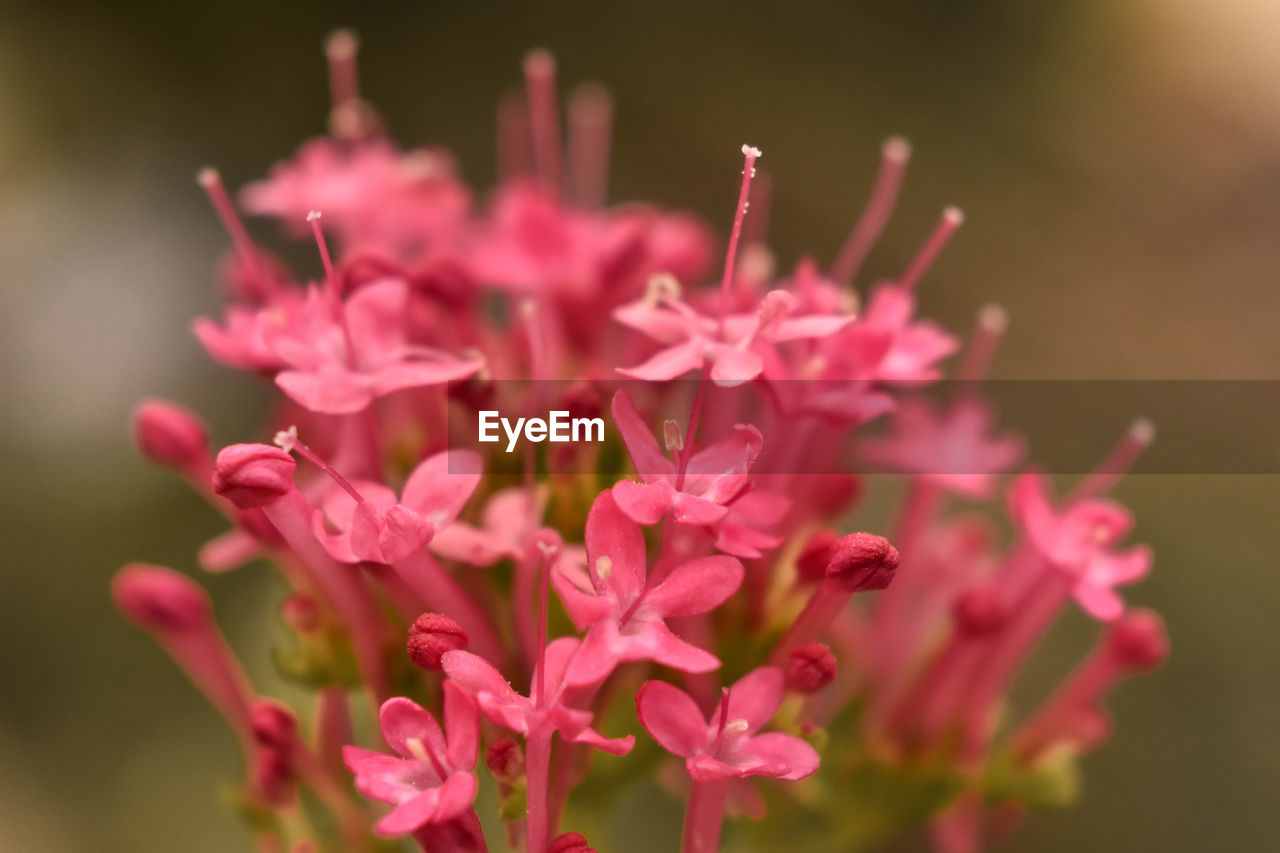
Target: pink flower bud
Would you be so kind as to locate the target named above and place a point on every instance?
(170, 435)
(301, 613)
(253, 475)
(810, 668)
(273, 776)
(505, 760)
(273, 725)
(571, 842)
(812, 562)
(1138, 640)
(430, 636)
(862, 561)
(979, 612)
(159, 599)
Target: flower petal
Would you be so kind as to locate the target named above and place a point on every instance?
(789, 757)
(646, 456)
(644, 503)
(696, 586)
(671, 717)
(756, 697)
(441, 484)
(403, 720)
(462, 726)
(615, 550)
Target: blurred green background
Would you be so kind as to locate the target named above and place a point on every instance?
(1119, 163)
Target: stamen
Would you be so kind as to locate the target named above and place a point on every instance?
(287, 440)
(736, 727)
(331, 285)
(726, 282)
(987, 331)
(590, 138)
(543, 592)
(604, 567)
(952, 218)
(660, 288)
(756, 229)
(724, 718)
(211, 181)
(894, 156)
(422, 751)
(544, 121)
(1137, 438)
(671, 436)
(344, 81)
(515, 148)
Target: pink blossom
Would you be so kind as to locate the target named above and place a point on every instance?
(382, 528)
(531, 715)
(1078, 539)
(369, 192)
(734, 347)
(953, 446)
(713, 477)
(727, 745)
(623, 616)
(509, 519)
(429, 780)
(887, 344)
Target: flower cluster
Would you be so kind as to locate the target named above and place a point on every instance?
(698, 600)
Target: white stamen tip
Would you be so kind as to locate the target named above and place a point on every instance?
(751, 151)
(993, 318)
(208, 177)
(539, 62)
(604, 566)
(287, 439)
(953, 215)
(897, 149)
(417, 749)
(671, 435)
(341, 44)
(1143, 431)
(660, 287)
(314, 215)
(736, 727)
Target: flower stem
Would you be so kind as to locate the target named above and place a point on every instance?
(537, 776)
(704, 817)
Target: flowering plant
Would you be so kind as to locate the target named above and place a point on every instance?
(714, 608)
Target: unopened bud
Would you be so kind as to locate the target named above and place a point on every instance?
(811, 564)
(862, 561)
(430, 636)
(571, 842)
(810, 668)
(505, 760)
(159, 599)
(1138, 640)
(170, 435)
(253, 475)
(980, 612)
(273, 725)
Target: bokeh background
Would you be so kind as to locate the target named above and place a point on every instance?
(1119, 163)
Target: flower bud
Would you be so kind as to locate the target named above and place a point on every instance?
(1138, 640)
(273, 776)
(505, 761)
(571, 842)
(273, 725)
(301, 613)
(159, 599)
(253, 475)
(810, 668)
(811, 564)
(170, 435)
(862, 561)
(430, 636)
(979, 612)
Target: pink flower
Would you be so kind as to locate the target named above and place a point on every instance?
(369, 192)
(1078, 540)
(531, 715)
(887, 344)
(624, 618)
(340, 367)
(733, 347)
(952, 447)
(714, 476)
(510, 518)
(383, 529)
(727, 745)
(430, 781)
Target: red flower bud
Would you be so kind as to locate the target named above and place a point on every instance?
(811, 564)
(1138, 640)
(273, 776)
(979, 612)
(571, 842)
(862, 561)
(273, 725)
(505, 760)
(430, 636)
(170, 435)
(159, 599)
(253, 475)
(810, 668)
